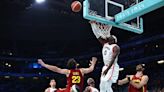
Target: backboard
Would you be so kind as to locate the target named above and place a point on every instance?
(124, 14)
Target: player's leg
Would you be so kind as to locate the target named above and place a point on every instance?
(102, 87)
(108, 82)
(115, 74)
(106, 86)
(108, 79)
(108, 75)
(102, 82)
(109, 86)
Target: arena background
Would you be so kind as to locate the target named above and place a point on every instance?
(51, 31)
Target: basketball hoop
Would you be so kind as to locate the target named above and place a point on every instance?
(102, 29)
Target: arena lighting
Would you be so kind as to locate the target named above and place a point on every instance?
(160, 62)
(143, 64)
(40, 1)
(121, 69)
(39, 73)
(34, 65)
(7, 77)
(9, 65)
(21, 77)
(10, 54)
(47, 77)
(35, 78)
(6, 64)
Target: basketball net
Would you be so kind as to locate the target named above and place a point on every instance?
(103, 30)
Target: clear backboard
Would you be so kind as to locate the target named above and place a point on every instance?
(124, 14)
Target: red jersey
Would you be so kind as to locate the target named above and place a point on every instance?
(137, 80)
(75, 77)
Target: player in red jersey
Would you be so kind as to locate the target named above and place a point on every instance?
(74, 75)
(137, 82)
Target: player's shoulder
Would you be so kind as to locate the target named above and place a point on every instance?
(47, 89)
(145, 76)
(88, 88)
(76, 70)
(131, 76)
(115, 45)
(81, 69)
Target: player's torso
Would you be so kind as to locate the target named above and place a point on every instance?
(51, 89)
(107, 53)
(93, 89)
(137, 80)
(75, 77)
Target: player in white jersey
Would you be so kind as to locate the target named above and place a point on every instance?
(110, 52)
(91, 87)
(52, 87)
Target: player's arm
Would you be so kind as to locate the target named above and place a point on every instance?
(125, 80)
(91, 68)
(116, 52)
(53, 68)
(141, 84)
(100, 38)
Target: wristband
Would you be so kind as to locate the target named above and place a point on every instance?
(129, 79)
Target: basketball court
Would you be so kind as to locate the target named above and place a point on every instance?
(56, 30)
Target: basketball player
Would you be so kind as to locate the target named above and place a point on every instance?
(137, 82)
(74, 75)
(91, 87)
(110, 52)
(52, 87)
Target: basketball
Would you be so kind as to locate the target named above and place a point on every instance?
(76, 6)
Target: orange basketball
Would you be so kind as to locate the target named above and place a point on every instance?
(76, 6)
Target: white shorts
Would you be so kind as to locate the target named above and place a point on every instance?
(112, 74)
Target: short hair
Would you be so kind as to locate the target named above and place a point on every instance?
(140, 67)
(90, 81)
(52, 80)
(71, 64)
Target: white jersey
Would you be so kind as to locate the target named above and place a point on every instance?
(107, 53)
(50, 89)
(93, 89)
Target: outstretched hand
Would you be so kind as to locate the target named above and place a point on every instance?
(40, 61)
(128, 77)
(119, 82)
(93, 61)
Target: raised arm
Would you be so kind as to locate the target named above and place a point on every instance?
(53, 68)
(116, 51)
(91, 68)
(143, 82)
(125, 80)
